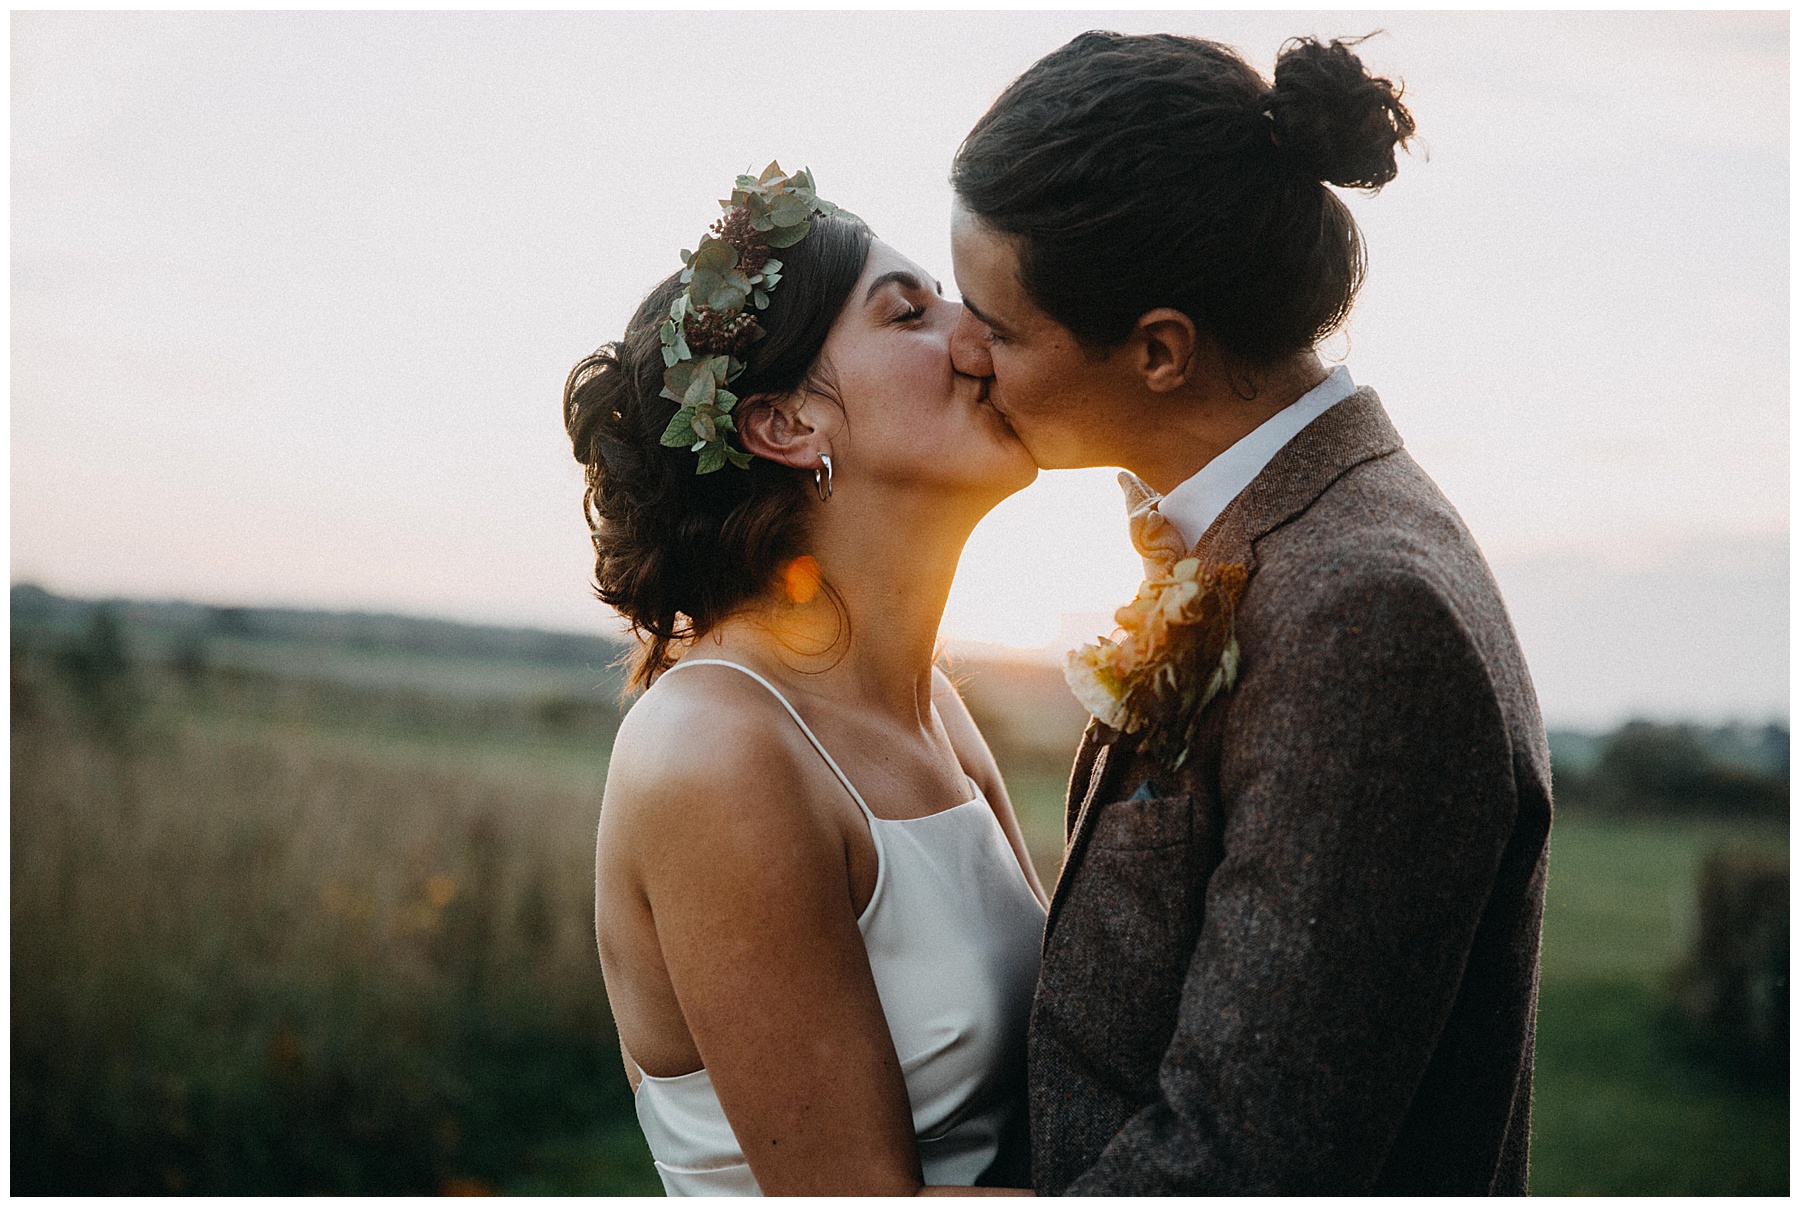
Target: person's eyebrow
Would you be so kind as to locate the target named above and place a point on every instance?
(975, 310)
(898, 276)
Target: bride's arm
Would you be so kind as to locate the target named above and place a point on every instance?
(746, 876)
(978, 761)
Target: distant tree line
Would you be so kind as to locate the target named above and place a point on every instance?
(1645, 767)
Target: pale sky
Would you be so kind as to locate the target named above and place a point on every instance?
(294, 295)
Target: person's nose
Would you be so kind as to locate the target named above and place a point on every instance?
(969, 351)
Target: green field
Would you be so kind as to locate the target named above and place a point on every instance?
(1622, 1104)
(272, 934)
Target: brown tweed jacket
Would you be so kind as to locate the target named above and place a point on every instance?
(1307, 961)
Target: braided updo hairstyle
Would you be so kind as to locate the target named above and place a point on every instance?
(1147, 171)
(676, 552)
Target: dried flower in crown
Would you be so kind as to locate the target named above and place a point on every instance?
(712, 324)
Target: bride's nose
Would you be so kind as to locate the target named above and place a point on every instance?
(969, 351)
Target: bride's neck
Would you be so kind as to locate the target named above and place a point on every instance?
(869, 635)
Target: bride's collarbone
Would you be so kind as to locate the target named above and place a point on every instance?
(900, 776)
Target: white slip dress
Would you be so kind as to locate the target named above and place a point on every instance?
(953, 932)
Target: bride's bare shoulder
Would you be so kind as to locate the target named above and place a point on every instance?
(707, 741)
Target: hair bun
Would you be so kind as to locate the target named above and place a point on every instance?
(1332, 119)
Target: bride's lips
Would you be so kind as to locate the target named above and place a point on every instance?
(986, 399)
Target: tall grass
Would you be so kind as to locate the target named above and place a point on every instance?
(250, 956)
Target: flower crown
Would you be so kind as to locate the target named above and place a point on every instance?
(710, 325)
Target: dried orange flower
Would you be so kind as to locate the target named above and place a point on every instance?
(1130, 682)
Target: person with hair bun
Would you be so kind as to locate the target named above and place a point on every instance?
(817, 921)
(1294, 945)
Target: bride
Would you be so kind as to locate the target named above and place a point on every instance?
(817, 922)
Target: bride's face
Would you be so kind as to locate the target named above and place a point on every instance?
(908, 417)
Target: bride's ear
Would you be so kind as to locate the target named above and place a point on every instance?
(783, 428)
(1165, 344)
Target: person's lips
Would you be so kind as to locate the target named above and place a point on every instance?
(986, 399)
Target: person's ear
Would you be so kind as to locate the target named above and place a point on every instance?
(783, 428)
(1165, 342)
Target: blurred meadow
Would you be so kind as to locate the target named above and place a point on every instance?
(302, 903)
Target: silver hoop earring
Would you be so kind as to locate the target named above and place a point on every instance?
(822, 478)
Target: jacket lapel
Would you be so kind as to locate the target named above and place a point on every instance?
(1101, 754)
(1352, 432)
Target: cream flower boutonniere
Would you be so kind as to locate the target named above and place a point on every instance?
(1175, 651)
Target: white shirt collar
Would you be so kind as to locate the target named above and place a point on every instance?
(1196, 503)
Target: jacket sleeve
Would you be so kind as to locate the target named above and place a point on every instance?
(1366, 786)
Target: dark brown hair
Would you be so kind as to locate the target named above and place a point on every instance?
(676, 552)
(1150, 171)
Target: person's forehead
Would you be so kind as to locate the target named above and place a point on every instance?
(987, 272)
(884, 258)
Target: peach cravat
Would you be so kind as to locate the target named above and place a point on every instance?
(1157, 541)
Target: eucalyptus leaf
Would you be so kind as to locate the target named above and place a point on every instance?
(676, 379)
(771, 265)
(680, 430)
(788, 209)
(787, 236)
(705, 282)
(761, 299)
(670, 356)
(699, 390)
(717, 255)
(726, 298)
(689, 383)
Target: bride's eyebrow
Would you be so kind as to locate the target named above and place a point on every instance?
(898, 277)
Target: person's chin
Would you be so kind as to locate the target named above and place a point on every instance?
(1014, 431)
(1047, 451)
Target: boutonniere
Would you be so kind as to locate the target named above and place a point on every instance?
(1175, 650)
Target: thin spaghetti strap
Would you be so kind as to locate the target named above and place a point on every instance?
(804, 727)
